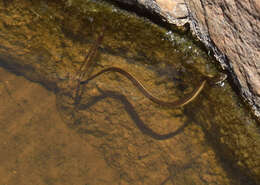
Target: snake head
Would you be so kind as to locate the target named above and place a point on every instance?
(217, 79)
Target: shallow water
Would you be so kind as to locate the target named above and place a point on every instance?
(49, 42)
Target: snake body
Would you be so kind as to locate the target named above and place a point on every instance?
(173, 104)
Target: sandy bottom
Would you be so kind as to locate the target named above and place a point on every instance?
(36, 147)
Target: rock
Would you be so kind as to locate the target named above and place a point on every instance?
(233, 28)
(174, 12)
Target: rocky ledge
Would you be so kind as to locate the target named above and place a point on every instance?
(230, 29)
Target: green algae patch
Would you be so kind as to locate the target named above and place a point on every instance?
(48, 41)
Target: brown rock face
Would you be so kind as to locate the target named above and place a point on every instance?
(234, 27)
(174, 12)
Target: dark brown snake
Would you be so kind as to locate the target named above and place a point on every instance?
(174, 104)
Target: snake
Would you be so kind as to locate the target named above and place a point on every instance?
(218, 79)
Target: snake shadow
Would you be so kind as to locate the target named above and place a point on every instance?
(133, 114)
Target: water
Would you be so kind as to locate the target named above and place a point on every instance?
(48, 43)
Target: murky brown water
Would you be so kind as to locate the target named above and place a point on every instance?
(115, 135)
